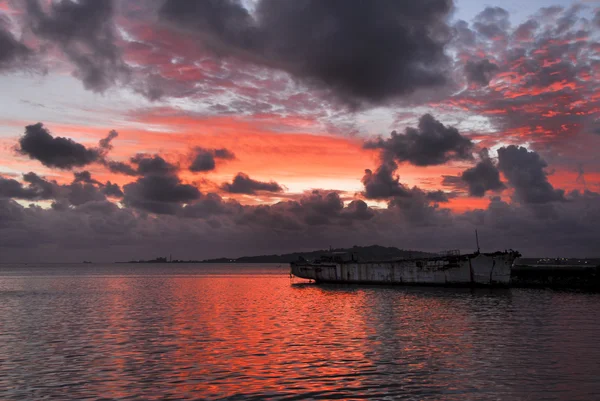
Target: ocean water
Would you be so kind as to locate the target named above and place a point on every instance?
(247, 332)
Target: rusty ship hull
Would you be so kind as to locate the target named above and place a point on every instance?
(477, 269)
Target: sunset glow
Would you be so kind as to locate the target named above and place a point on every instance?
(224, 136)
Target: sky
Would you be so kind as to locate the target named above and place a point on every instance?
(136, 129)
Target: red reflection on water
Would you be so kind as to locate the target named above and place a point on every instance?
(240, 335)
(160, 335)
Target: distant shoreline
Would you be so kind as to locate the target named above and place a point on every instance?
(372, 252)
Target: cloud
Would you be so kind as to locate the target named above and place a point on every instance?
(383, 184)
(438, 196)
(94, 190)
(430, 144)
(525, 173)
(242, 184)
(147, 164)
(211, 225)
(480, 72)
(319, 209)
(59, 152)
(398, 48)
(526, 30)
(544, 91)
(492, 22)
(85, 177)
(84, 30)
(420, 208)
(37, 189)
(105, 143)
(204, 159)
(315, 208)
(13, 54)
(160, 194)
(112, 190)
(121, 168)
(78, 193)
(416, 206)
(210, 205)
(483, 177)
(82, 190)
(479, 179)
(357, 210)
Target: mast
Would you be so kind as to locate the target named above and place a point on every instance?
(477, 240)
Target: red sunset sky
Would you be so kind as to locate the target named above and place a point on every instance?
(271, 126)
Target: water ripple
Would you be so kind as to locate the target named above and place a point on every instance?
(247, 333)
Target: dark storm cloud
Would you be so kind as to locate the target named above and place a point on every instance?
(525, 173)
(358, 210)
(480, 72)
(210, 205)
(414, 204)
(78, 193)
(161, 194)
(84, 30)
(10, 188)
(147, 164)
(121, 168)
(46, 188)
(204, 159)
(278, 217)
(430, 144)
(227, 228)
(364, 51)
(242, 184)
(112, 190)
(316, 208)
(37, 188)
(319, 209)
(84, 177)
(417, 209)
(64, 153)
(383, 183)
(82, 190)
(59, 152)
(85, 189)
(483, 177)
(13, 53)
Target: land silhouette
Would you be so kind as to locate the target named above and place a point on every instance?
(372, 252)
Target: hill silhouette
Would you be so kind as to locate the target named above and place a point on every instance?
(372, 252)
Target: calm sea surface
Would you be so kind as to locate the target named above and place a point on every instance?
(238, 332)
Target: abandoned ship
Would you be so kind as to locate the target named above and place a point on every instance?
(451, 269)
